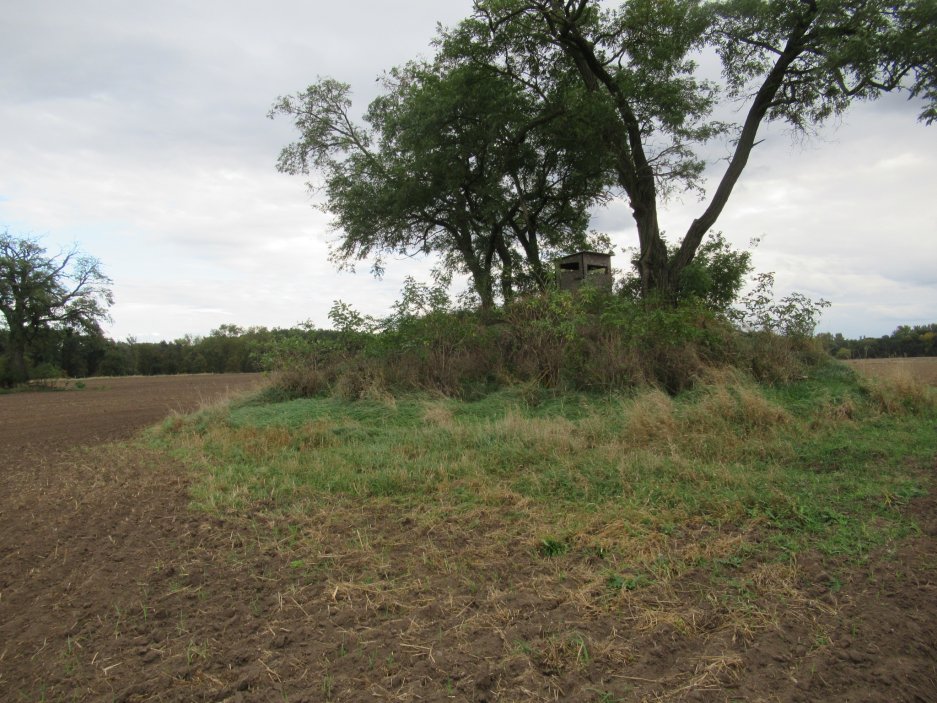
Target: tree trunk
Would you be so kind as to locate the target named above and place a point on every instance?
(485, 293)
(16, 356)
(507, 271)
(635, 172)
(659, 272)
(653, 263)
(481, 281)
(529, 242)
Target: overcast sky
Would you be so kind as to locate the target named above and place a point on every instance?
(139, 131)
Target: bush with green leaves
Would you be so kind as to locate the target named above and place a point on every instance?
(591, 339)
(794, 315)
(714, 278)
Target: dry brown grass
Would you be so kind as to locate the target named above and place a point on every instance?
(438, 414)
(651, 419)
(898, 387)
(922, 369)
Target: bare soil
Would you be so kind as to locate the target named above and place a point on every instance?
(112, 588)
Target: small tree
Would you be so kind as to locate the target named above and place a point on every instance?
(40, 293)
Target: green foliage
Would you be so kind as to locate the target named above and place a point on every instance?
(456, 159)
(592, 339)
(715, 276)
(491, 154)
(552, 547)
(229, 349)
(839, 52)
(45, 371)
(906, 340)
(794, 315)
(44, 298)
(627, 582)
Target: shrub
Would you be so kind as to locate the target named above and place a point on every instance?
(794, 315)
(714, 278)
(592, 339)
(45, 372)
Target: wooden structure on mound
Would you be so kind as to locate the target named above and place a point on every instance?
(584, 268)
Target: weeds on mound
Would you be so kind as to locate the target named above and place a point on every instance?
(591, 340)
(729, 453)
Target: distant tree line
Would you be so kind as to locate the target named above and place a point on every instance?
(228, 349)
(919, 340)
(52, 305)
(233, 349)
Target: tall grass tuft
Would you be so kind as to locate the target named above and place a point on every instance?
(650, 419)
(900, 393)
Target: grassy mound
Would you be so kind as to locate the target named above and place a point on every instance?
(820, 462)
(565, 535)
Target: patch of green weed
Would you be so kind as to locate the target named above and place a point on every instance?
(731, 453)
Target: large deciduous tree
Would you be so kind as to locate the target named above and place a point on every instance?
(456, 158)
(40, 293)
(796, 61)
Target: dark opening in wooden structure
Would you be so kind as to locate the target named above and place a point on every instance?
(584, 267)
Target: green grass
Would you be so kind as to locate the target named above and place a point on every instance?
(819, 463)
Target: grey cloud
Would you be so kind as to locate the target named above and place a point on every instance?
(140, 129)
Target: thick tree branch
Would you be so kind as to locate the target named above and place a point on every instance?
(762, 102)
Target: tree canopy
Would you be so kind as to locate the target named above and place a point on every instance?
(798, 62)
(458, 159)
(534, 111)
(42, 293)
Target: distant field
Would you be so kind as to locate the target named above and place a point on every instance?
(922, 368)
